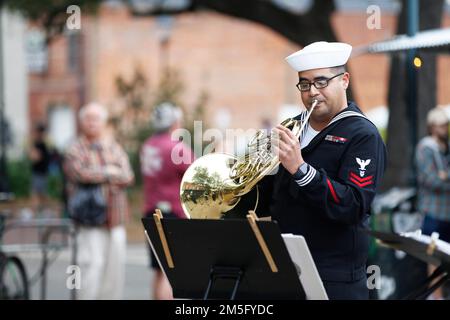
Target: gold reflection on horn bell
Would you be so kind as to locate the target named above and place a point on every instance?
(215, 183)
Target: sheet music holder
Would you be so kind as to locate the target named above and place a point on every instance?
(425, 248)
(224, 259)
(306, 268)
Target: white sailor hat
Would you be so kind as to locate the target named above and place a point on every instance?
(320, 55)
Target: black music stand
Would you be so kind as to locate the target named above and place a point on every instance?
(224, 259)
(428, 252)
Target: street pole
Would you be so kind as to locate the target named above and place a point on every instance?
(413, 26)
(4, 186)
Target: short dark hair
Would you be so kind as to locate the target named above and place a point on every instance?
(41, 127)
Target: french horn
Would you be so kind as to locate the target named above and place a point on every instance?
(215, 183)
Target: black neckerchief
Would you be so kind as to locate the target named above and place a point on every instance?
(352, 110)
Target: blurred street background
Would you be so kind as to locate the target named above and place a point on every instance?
(222, 62)
(138, 277)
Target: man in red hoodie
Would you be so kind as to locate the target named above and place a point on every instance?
(163, 163)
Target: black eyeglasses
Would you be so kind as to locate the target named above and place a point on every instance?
(305, 85)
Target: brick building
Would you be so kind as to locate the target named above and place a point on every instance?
(238, 63)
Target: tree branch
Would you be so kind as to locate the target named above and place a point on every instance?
(298, 28)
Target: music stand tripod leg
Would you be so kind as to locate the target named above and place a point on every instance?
(424, 290)
(218, 272)
(440, 282)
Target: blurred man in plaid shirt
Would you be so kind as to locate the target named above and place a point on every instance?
(433, 177)
(96, 158)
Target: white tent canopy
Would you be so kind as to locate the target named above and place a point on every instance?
(435, 39)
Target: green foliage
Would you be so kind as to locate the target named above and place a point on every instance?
(37, 10)
(133, 91)
(19, 176)
(51, 15)
(132, 123)
(136, 166)
(55, 184)
(169, 89)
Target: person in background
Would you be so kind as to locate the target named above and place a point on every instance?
(433, 179)
(162, 170)
(95, 158)
(39, 155)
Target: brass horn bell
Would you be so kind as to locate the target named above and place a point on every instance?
(215, 183)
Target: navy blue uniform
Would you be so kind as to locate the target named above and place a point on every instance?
(331, 203)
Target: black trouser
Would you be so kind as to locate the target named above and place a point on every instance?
(356, 290)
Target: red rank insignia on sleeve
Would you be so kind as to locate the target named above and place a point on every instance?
(359, 181)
